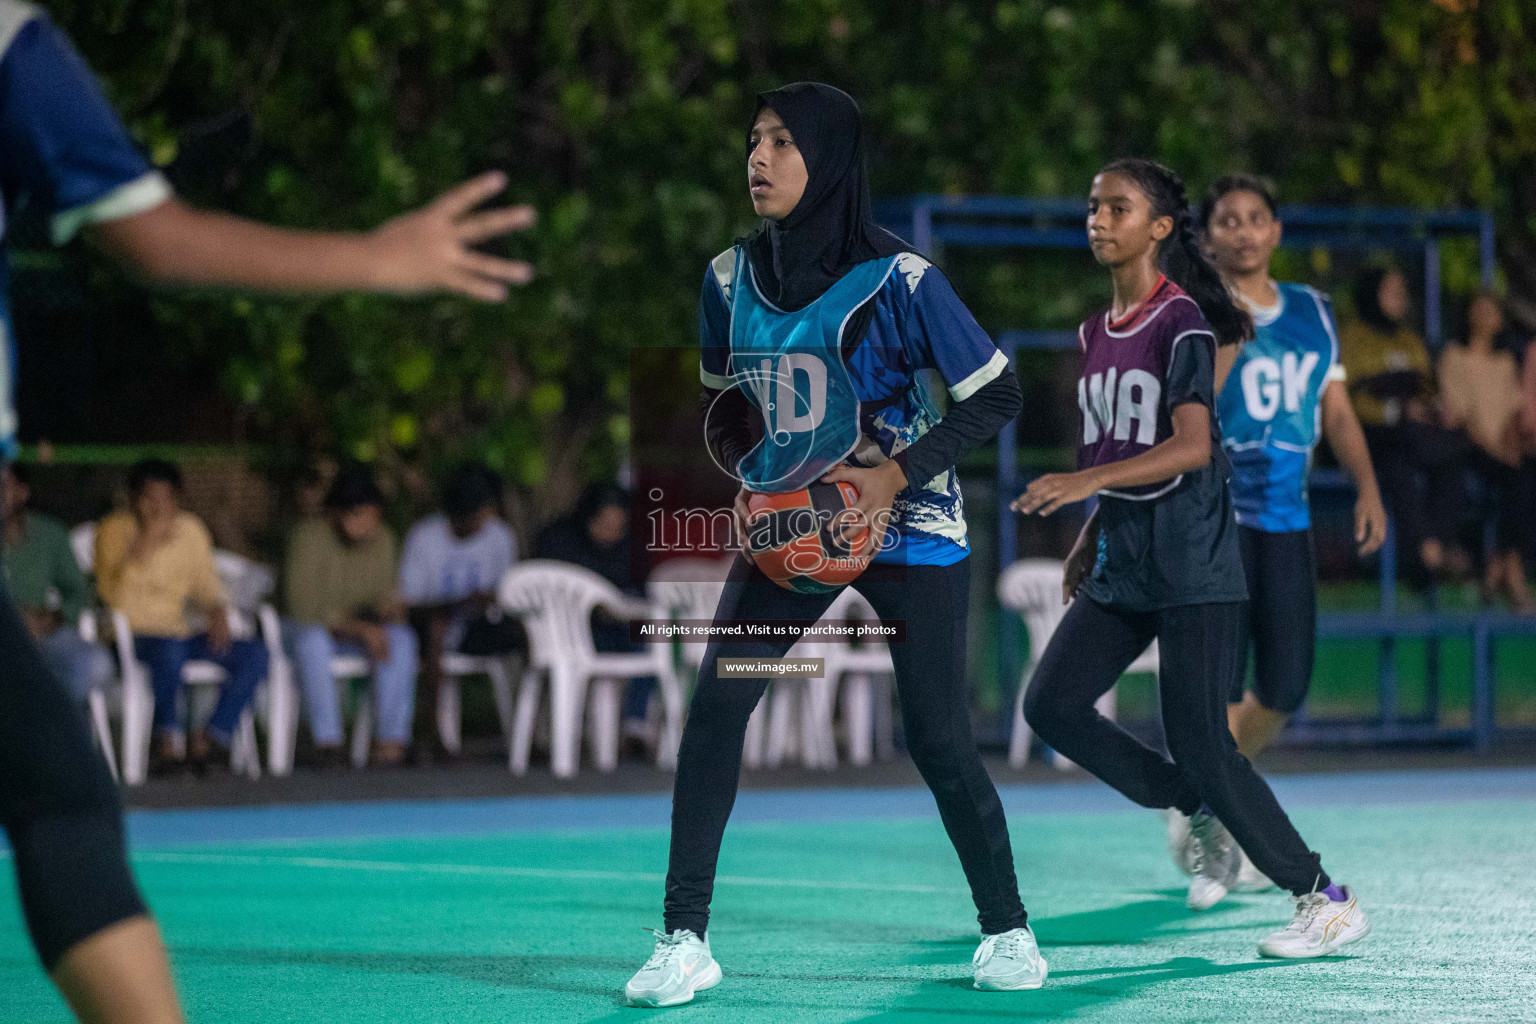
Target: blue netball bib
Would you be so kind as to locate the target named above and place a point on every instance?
(791, 367)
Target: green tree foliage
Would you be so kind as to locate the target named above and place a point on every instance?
(623, 121)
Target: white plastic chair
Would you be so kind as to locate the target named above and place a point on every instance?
(245, 583)
(688, 588)
(1032, 587)
(96, 703)
(852, 671)
(344, 669)
(848, 670)
(139, 703)
(455, 667)
(279, 698)
(137, 699)
(555, 601)
(82, 544)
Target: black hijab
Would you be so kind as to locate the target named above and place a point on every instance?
(1368, 300)
(832, 229)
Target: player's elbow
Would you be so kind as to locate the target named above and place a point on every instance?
(1336, 420)
(1196, 454)
(152, 246)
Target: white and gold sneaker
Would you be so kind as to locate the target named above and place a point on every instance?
(1321, 926)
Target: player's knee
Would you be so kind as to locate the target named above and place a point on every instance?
(72, 872)
(1046, 713)
(1282, 698)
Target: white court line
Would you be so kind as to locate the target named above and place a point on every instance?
(577, 874)
(494, 870)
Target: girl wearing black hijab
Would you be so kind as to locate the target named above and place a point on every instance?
(1392, 385)
(868, 343)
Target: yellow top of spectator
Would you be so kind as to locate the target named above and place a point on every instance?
(154, 590)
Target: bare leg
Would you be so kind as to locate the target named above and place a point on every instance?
(120, 975)
(1253, 725)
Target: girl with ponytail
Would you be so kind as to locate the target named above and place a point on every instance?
(1159, 559)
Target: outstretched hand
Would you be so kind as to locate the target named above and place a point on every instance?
(1045, 494)
(431, 249)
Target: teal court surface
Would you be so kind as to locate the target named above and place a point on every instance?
(832, 906)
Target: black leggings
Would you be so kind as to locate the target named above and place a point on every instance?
(58, 804)
(930, 678)
(1280, 622)
(1091, 648)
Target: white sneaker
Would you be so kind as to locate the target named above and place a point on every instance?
(680, 966)
(1009, 961)
(1319, 928)
(1180, 845)
(1250, 878)
(1215, 862)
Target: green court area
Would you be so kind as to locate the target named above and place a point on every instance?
(829, 921)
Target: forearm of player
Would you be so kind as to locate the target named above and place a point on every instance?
(1188, 449)
(1342, 429)
(426, 250)
(177, 244)
(1347, 439)
(966, 426)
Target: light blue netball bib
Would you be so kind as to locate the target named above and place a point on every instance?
(791, 366)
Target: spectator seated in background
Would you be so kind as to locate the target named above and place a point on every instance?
(340, 586)
(49, 589)
(595, 535)
(449, 573)
(151, 563)
(1481, 395)
(1393, 390)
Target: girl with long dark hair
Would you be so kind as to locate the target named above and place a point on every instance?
(820, 295)
(1159, 558)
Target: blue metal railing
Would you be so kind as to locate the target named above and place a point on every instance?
(928, 221)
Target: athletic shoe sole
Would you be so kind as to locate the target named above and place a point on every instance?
(707, 980)
(1026, 987)
(1328, 949)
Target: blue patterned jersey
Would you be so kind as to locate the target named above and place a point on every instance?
(922, 350)
(1271, 408)
(62, 149)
